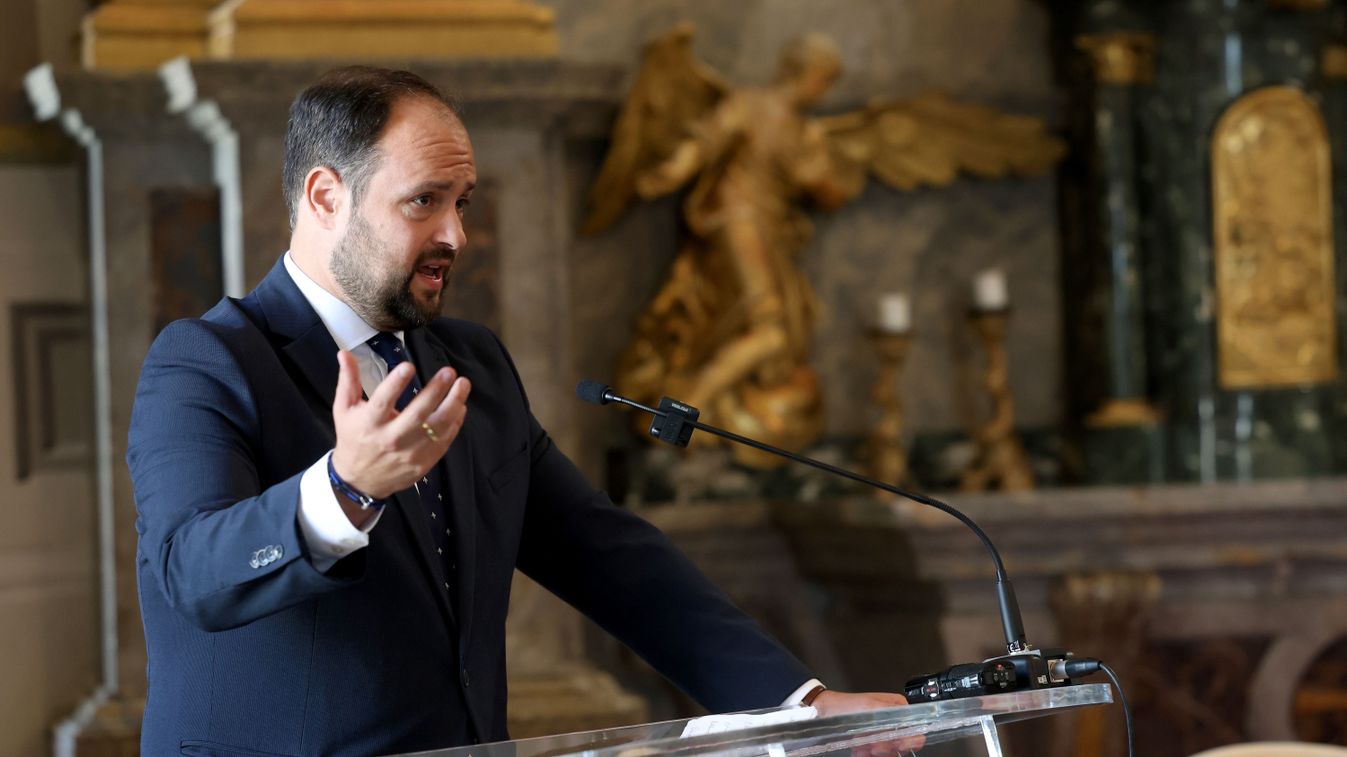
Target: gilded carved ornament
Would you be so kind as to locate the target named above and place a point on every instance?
(1333, 62)
(1124, 412)
(1120, 58)
(142, 34)
(731, 330)
(1273, 237)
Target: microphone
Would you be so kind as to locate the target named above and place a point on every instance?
(594, 393)
(1032, 668)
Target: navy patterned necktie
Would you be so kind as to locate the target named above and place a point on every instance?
(389, 347)
(430, 489)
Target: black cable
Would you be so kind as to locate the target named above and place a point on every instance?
(1075, 667)
(1127, 711)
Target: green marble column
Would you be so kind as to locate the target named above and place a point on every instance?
(1123, 439)
(1331, 82)
(1210, 53)
(1147, 315)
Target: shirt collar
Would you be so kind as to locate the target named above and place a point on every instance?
(347, 328)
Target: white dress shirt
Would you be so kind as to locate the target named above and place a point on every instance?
(327, 531)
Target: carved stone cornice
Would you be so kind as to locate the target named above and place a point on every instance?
(141, 34)
(304, 29)
(581, 97)
(1120, 58)
(113, 104)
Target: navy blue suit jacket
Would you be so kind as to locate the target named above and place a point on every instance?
(253, 651)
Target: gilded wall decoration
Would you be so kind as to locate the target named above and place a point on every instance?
(1271, 200)
(1333, 62)
(1120, 58)
(731, 330)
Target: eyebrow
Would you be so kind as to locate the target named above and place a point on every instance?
(440, 186)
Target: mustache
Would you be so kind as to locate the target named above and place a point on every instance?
(437, 252)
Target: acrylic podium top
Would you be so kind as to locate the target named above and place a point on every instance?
(937, 722)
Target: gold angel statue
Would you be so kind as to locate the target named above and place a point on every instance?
(730, 330)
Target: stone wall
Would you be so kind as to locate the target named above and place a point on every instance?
(49, 611)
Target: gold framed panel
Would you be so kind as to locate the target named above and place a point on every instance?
(1273, 240)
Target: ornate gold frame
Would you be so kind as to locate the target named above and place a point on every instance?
(1273, 242)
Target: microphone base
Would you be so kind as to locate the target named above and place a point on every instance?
(1021, 671)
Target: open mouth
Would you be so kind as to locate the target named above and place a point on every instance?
(433, 273)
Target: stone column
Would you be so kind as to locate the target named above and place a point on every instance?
(1332, 77)
(1122, 434)
(132, 150)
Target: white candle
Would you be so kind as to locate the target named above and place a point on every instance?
(895, 313)
(989, 290)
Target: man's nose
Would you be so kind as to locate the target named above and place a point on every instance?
(451, 232)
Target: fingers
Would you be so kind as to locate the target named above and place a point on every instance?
(446, 418)
(348, 382)
(423, 404)
(385, 397)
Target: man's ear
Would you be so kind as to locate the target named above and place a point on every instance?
(324, 195)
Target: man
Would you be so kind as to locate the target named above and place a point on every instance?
(328, 528)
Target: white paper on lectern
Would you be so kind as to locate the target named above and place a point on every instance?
(739, 721)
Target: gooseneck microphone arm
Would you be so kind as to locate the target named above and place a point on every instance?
(683, 415)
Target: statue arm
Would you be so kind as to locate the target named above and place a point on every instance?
(817, 173)
(681, 165)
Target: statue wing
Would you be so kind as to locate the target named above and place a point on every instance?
(672, 90)
(929, 140)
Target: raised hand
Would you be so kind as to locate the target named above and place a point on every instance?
(381, 450)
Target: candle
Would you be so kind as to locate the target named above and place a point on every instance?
(895, 313)
(989, 290)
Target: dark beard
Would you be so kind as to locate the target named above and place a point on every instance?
(384, 301)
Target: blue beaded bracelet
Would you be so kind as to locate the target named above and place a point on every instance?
(364, 500)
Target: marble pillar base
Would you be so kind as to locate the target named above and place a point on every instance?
(1125, 455)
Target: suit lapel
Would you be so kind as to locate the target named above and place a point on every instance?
(430, 355)
(315, 354)
(306, 341)
(289, 316)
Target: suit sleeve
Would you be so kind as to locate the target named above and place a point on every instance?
(629, 578)
(222, 549)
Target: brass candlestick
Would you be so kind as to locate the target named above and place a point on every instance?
(1000, 461)
(887, 460)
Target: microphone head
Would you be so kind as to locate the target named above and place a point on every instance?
(593, 392)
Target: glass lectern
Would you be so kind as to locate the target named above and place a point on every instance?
(968, 726)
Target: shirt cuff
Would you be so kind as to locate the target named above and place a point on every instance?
(798, 695)
(326, 529)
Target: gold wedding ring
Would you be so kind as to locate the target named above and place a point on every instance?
(430, 432)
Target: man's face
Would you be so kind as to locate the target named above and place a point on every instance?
(393, 260)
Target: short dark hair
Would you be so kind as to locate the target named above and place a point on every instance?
(337, 123)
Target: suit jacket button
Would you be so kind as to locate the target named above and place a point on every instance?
(467, 680)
